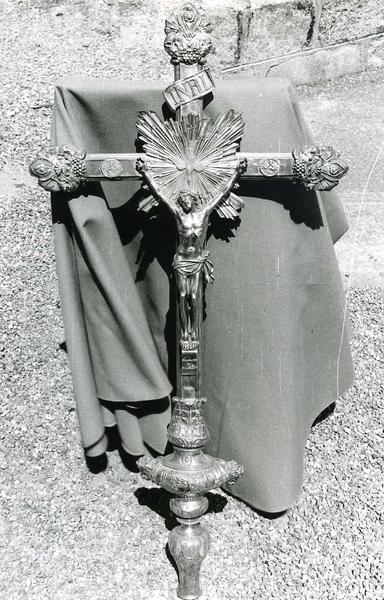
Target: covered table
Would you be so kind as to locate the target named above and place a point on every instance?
(276, 351)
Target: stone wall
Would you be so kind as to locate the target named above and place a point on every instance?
(307, 40)
(311, 40)
(344, 20)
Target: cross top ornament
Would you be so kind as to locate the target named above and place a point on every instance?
(190, 164)
(187, 36)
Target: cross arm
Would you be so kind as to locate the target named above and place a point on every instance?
(314, 167)
(66, 169)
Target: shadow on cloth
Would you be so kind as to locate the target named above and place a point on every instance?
(157, 243)
(303, 206)
(157, 228)
(115, 440)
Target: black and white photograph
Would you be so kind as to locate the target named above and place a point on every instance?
(192, 300)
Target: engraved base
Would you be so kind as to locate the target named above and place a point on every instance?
(189, 473)
(189, 545)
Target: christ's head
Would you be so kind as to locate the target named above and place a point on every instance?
(187, 201)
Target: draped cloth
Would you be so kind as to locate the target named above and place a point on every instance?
(275, 347)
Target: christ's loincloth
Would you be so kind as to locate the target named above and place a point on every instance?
(188, 267)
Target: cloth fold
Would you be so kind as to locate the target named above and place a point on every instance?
(276, 351)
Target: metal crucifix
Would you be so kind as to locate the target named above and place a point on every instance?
(190, 164)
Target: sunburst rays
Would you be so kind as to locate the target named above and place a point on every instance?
(198, 156)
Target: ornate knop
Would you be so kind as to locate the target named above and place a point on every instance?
(59, 169)
(318, 167)
(187, 428)
(187, 40)
(215, 473)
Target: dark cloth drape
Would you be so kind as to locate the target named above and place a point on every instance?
(275, 346)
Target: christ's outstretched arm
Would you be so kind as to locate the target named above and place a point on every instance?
(210, 205)
(142, 168)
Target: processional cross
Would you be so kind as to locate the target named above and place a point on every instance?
(190, 164)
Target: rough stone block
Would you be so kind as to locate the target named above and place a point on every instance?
(343, 20)
(247, 31)
(375, 53)
(276, 29)
(320, 65)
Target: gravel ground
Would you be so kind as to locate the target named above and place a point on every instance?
(66, 533)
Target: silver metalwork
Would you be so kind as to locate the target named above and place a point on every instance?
(191, 155)
(187, 36)
(190, 164)
(177, 477)
(189, 545)
(111, 168)
(318, 167)
(59, 169)
(190, 88)
(269, 167)
(310, 169)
